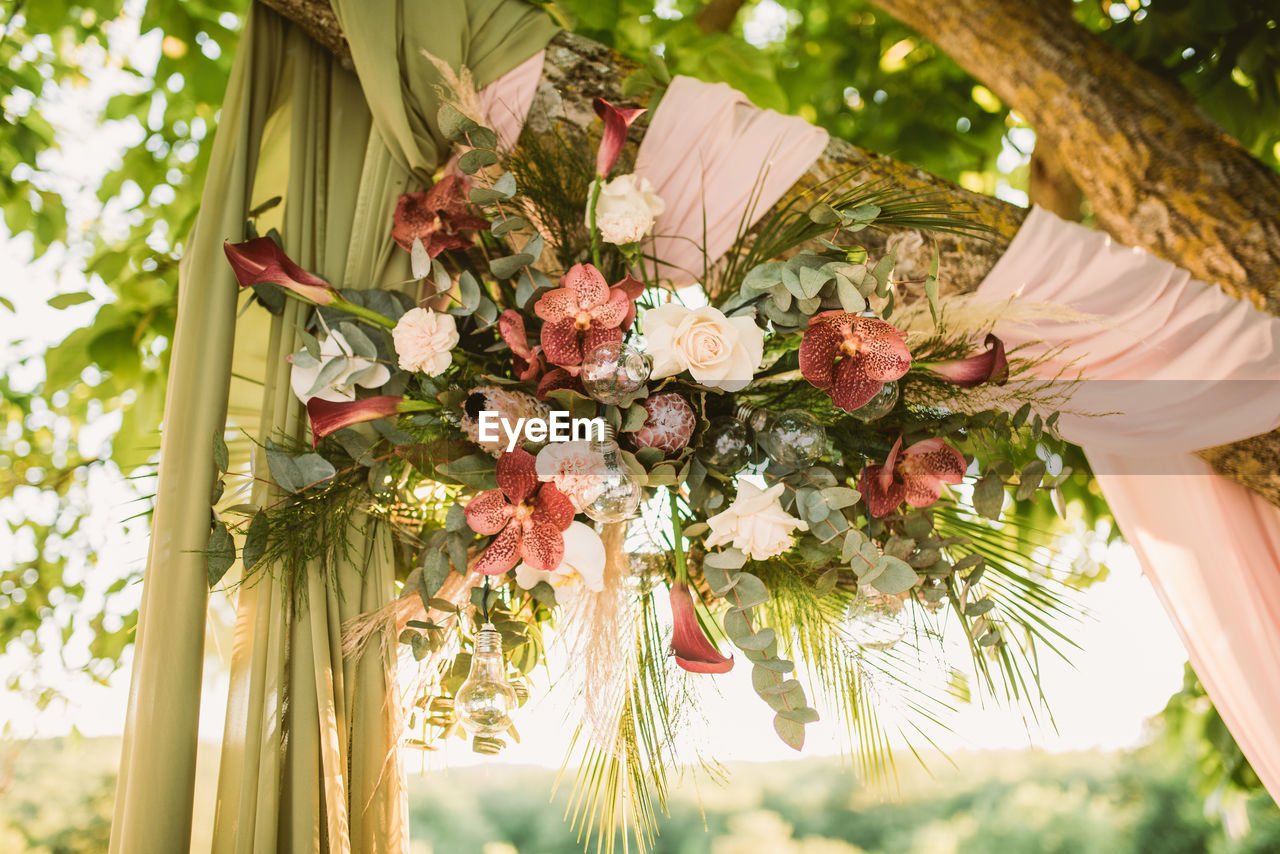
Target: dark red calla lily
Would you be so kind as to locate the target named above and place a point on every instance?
(851, 357)
(582, 313)
(260, 260)
(989, 366)
(329, 416)
(528, 516)
(437, 217)
(616, 122)
(692, 650)
(915, 475)
(526, 362)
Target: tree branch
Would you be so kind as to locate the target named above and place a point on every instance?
(578, 70)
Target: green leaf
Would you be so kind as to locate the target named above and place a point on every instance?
(476, 159)
(474, 470)
(255, 541)
(988, 495)
(756, 642)
(456, 518)
(895, 576)
(826, 582)
(220, 554)
(507, 266)
(748, 592)
(511, 223)
(313, 468)
(435, 569)
(824, 214)
(1029, 481)
(839, 497)
(221, 458)
(503, 188)
(67, 300)
(977, 609)
(791, 732)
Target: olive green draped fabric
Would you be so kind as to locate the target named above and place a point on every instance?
(308, 759)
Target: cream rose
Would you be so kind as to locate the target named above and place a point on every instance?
(755, 523)
(304, 377)
(626, 209)
(718, 351)
(424, 341)
(581, 570)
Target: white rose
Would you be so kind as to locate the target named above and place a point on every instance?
(755, 523)
(581, 569)
(425, 340)
(626, 209)
(305, 376)
(718, 351)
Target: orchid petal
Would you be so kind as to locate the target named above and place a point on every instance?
(562, 342)
(511, 328)
(558, 304)
(587, 284)
(884, 355)
(818, 351)
(489, 512)
(881, 500)
(517, 474)
(503, 553)
(542, 546)
(851, 388)
(552, 507)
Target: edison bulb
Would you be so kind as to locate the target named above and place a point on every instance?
(486, 698)
(726, 445)
(619, 492)
(874, 621)
(794, 437)
(880, 405)
(614, 371)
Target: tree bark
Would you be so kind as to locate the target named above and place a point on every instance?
(578, 70)
(1158, 173)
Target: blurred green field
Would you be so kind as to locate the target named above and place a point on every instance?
(58, 799)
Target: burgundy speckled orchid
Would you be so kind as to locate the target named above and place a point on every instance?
(328, 416)
(616, 122)
(851, 357)
(436, 217)
(692, 650)
(914, 475)
(528, 516)
(261, 260)
(989, 366)
(526, 362)
(583, 313)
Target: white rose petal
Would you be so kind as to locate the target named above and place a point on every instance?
(755, 523)
(581, 570)
(425, 340)
(718, 351)
(626, 210)
(356, 371)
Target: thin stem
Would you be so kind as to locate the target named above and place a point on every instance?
(677, 541)
(363, 313)
(591, 217)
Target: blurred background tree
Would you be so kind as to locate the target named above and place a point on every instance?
(109, 108)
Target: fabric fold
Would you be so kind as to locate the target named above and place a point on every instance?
(1176, 365)
(720, 163)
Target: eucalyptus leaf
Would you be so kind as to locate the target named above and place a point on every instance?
(895, 576)
(220, 554)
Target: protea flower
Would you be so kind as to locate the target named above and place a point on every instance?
(582, 313)
(851, 357)
(261, 260)
(692, 650)
(436, 217)
(510, 404)
(989, 366)
(616, 122)
(668, 424)
(528, 516)
(915, 475)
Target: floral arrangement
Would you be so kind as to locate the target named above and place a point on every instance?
(802, 458)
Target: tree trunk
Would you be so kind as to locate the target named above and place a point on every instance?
(578, 70)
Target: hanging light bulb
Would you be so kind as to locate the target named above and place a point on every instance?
(794, 437)
(614, 371)
(875, 621)
(726, 445)
(880, 405)
(619, 490)
(485, 700)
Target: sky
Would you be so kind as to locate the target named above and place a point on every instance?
(1129, 662)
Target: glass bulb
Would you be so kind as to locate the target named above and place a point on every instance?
(726, 445)
(618, 495)
(875, 621)
(614, 371)
(485, 700)
(880, 405)
(794, 437)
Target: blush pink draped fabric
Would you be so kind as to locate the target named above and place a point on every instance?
(506, 101)
(719, 163)
(1183, 367)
